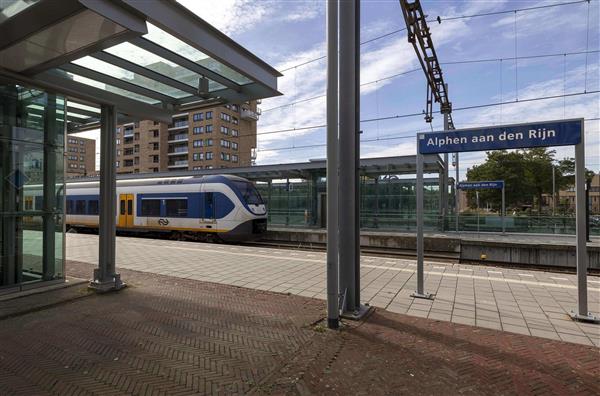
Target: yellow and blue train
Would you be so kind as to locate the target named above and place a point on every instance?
(203, 208)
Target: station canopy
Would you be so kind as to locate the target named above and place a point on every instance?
(148, 58)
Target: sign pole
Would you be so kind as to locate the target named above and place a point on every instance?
(420, 292)
(503, 211)
(456, 192)
(582, 313)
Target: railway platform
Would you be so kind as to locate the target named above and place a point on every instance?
(529, 302)
(539, 250)
(173, 334)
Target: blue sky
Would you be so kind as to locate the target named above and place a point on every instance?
(289, 33)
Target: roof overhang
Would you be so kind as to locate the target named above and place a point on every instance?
(148, 58)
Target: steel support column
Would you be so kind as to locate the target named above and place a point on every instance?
(105, 276)
(582, 313)
(333, 310)
(49, 200)
(444, 203)
(349, 85)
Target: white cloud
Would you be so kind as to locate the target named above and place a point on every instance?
(230, 16)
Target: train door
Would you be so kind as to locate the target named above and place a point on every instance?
(209, 207)
(125, 210)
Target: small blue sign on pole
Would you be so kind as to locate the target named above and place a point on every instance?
(536, 134)
(480, 185)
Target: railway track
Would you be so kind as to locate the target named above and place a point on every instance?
(443, 257)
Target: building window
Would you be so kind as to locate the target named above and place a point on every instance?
(118, 163)
(209, 167)
(234, 121)
(234, 158)
(81, 142)
(155, 146)
(209, 129)
(81, 166)
(136, 160)
(225, 156)
(234, 132)
(234, 145)
(128, 162)
(197, 168)
(198, 130)
(128, 151)
(81, 158)
(209, 115)
(198, 143)
(198, 156)
(225, 117)
(136, 136)
(225, 143)
(82, 150)
(224, 130)
(155, 133)
(209, 155)
(198, 117)
(235, 108)
(154, 170)
(118, 141)
(209, 142)
(155, 158)
(136, 148)
(118, 152)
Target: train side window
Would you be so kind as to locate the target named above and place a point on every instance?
(176, 207)
(80, 207)
(93, 207)
(130, 207)
(69, 206)
(150, 207)
(122, 207)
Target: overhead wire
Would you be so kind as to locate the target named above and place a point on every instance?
(486, 60)
(418, 114)
(440, 20)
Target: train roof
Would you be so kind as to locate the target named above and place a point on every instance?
(154, 181)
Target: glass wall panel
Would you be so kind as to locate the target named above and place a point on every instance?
(31, 185)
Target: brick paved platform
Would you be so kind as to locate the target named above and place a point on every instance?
(515, 300)
(166, 335)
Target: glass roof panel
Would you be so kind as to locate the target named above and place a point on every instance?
(159, 64)
(130, 77)
(107, 87)
(9, 8)
(77, 105)
(166, 40)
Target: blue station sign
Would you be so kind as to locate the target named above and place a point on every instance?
(480, 185)
(537, 134)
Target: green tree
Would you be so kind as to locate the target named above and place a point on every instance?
(527, 175)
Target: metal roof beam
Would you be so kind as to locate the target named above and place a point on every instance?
(106, 79)
(55, 83)
(183, 62)
(142, 71)
(188, 27)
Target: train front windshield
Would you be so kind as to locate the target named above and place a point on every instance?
(249, 192)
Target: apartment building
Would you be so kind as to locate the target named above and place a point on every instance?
(80, 157)
(199, 138)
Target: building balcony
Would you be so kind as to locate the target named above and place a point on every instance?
(182, 138)
(248, 114)
(179, 126)
(178, 151)
(178, 164)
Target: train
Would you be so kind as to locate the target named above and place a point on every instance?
(204, 208)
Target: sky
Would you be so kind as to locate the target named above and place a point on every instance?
(290, 35)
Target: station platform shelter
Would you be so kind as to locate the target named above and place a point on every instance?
(78, 64)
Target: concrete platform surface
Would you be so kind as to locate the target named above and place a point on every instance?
(170, 336)
(525, 302)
